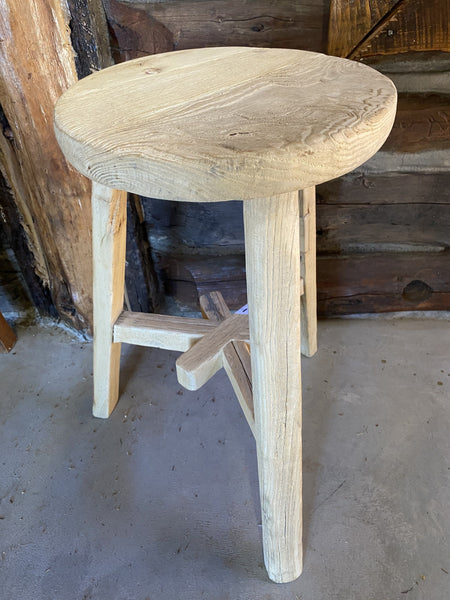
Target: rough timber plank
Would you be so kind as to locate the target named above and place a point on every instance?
(198, 364)
(109, 215)
(352, 20)
(272, 239)
(160, 331)
(365, 283)
(412, 26)
(422, 123)
(7, 336)
(236, 356)
(36, 65)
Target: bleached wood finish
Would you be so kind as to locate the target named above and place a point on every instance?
(160, 331)
(254, 124)
(307, 200)
(272, 242)
(196, 366)
(224, 123)
(235, 356)
(37, 65)
(7, 336)
(109, 213)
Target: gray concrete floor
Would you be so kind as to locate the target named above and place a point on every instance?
(161, 501)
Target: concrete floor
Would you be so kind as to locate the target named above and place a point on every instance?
(161, 501)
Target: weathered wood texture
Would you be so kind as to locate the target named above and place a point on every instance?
(403, 211)
(7, 336)
(422, 123)
(141, 28)
(201, 150)
(15, 238)
(346, 284)
(236, 356)
(272, 239)
(109, 213)
(360, 30)
(160, 331)
(36, 65)
(351, 21)
(307, 206)
(363, 283)
(143, 289)
(399, 222)
(89, 36)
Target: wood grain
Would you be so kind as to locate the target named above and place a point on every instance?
(293, 119)
(351, 21)
(272, 238)
(36, 65)
(109, 222)
(198, 364)
(201, 23)
(235, 358)
(412, 26)
(379, 282)
(422, 123)
(307, 200)
(134, 32)
(160, 331)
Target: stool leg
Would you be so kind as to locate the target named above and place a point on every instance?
(272, 248)
(307, 199)
(109, 213)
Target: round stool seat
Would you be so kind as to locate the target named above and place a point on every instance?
(224, 123)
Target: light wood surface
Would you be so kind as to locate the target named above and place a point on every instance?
(235, 356)
(307, 200)
(52, 201)
(272, 241)
(160, 331)
(224, 123)
(196, 366)
(109, 214)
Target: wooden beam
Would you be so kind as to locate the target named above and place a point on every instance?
(422, 123)
(359, 29)
(308, 282)
(196, 366)
(366, 283)
(147, 27)
(353, 20)
(134, 32)
(236, 356)
(36, 65)
(109, 214)
(412, 26)
(272, 237)
(141, 280)
(160, 331)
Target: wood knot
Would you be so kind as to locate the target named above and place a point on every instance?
(417, 291)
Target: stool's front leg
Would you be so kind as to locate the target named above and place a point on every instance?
(272, 247)
(307, 200)
(109, 214)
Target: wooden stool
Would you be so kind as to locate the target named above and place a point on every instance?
(212, 124)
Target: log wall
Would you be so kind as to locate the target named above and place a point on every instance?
(383, 238)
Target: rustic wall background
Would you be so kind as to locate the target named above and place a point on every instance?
(383, 230)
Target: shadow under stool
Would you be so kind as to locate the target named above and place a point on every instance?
(254, 124)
